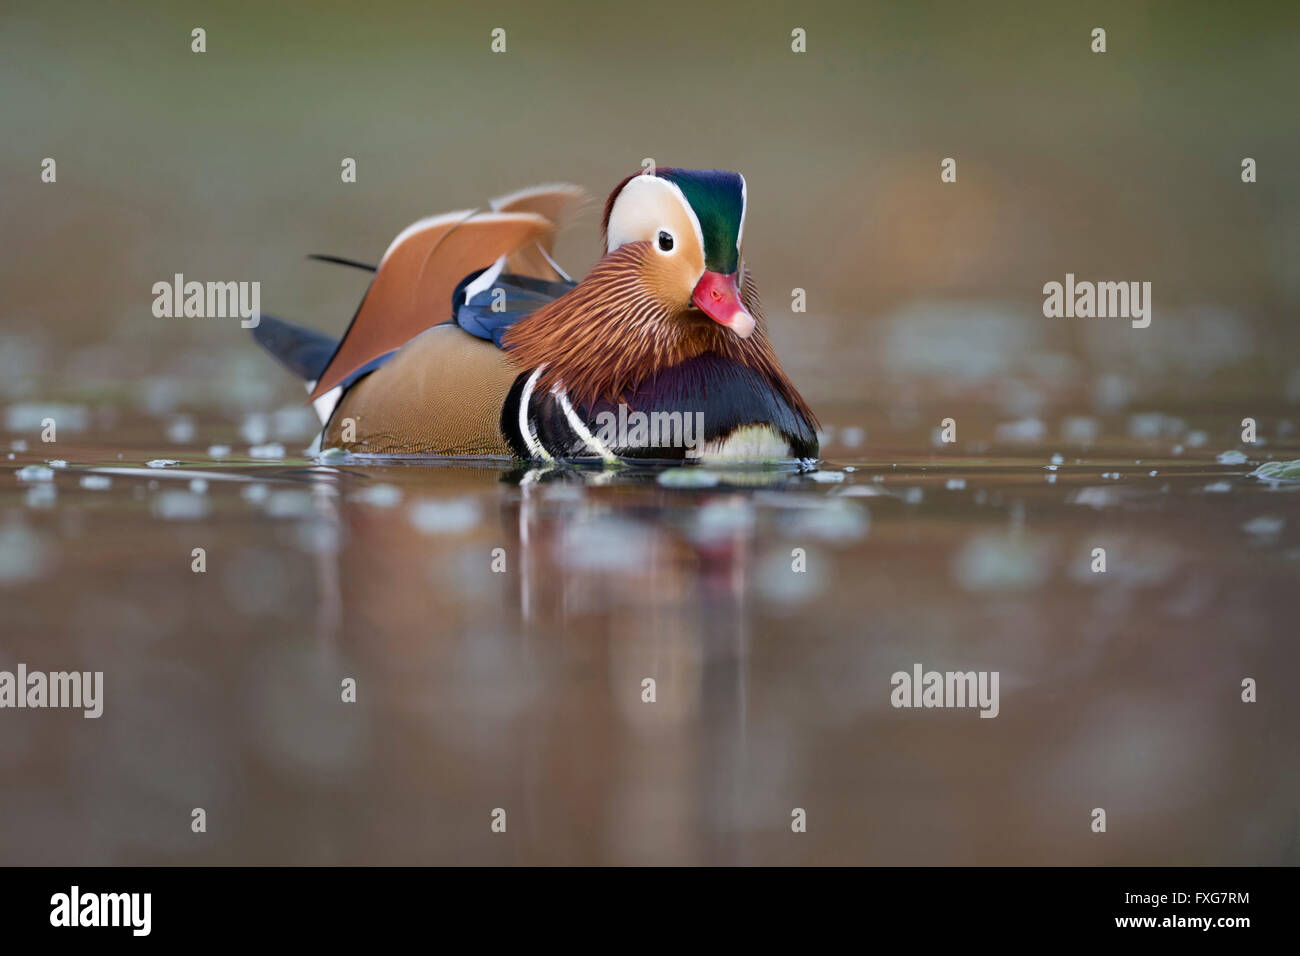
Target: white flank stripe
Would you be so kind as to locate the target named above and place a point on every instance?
(579, 427)
(525, 426)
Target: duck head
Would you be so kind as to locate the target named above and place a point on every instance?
(693, 222)
(671, 286)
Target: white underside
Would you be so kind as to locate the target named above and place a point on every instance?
(749, 443)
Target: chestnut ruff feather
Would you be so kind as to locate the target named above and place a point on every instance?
(611, 333)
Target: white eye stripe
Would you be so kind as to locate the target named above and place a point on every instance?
(744, 208)
(642, 206)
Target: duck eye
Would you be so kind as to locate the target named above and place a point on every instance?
(665, 241)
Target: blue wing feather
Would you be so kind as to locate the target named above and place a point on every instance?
(519, 296)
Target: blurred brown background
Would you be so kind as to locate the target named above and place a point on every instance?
(225, 165)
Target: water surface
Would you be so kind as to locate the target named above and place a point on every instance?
(521, 688)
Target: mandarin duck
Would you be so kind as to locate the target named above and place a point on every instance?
(472, 341)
